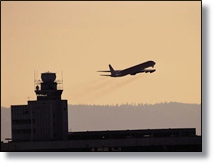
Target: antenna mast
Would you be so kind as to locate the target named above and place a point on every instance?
(62, 78)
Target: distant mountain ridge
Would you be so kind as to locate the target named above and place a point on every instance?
(123, 117)
(141, 116)
(134, 104)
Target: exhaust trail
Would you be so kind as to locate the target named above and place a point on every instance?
(118, 85)
(84, 91)
(112, 87)
(99, 88)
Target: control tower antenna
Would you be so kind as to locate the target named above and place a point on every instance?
(62, 78)
(34, 80)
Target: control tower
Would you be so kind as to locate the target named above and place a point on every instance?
(47, 89)
(45, 119)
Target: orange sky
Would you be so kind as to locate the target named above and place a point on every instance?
(80, 38)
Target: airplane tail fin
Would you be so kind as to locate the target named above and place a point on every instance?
(112, 70)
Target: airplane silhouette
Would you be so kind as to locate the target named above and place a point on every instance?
(140, 68)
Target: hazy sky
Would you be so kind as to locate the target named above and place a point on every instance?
(80, 38)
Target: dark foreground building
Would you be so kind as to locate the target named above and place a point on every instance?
(42, 125)
(156, 140)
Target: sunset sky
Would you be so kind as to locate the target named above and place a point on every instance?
(80, 38)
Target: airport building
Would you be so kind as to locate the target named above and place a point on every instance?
(42, 125)
(46, 118)
(154, 140)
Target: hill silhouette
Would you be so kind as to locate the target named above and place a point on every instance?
(123, 117)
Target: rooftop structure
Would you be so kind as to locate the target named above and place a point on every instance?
(153, 140)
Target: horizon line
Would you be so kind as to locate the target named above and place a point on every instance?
(122, 104)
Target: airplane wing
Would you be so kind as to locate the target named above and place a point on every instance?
(142, 71)
(105, 75)
(109, 71)
(103, 71)
(148, 70)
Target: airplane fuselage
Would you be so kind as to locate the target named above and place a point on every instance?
(140, 68)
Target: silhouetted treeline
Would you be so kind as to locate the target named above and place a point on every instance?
(134, 116)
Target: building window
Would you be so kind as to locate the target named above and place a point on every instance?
(23, 121)
(22, 131)
(25, 112)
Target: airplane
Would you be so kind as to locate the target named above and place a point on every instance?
(140, 68)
